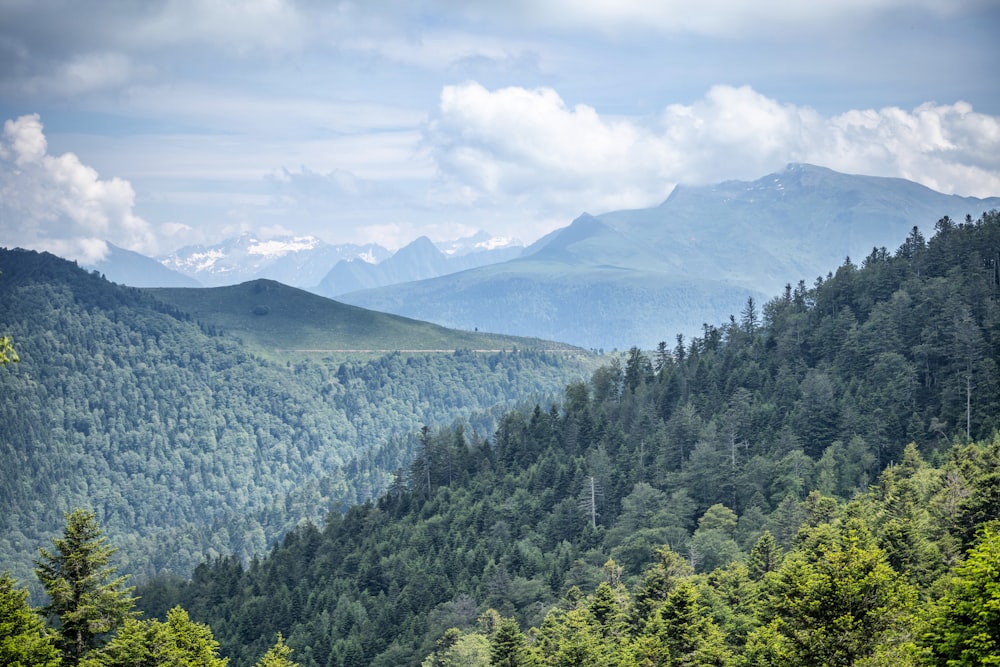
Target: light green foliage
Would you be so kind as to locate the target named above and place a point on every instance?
(964, 624)
(178, 642)
(835, 600)
(85, 597)
(455, 649)
(24, 641)
(7, 352)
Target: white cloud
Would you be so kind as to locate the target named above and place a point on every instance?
(514, 144)
(57, 203)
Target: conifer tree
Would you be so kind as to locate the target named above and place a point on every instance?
(179, 641)
(764, 557)
(964, 627)
(836, 600)
(85, 598)
(508, 646)
(279, 655)
(24, 642)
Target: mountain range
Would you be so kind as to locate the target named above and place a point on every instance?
(304, 261)
(300, 261)
(419, 260)
(637, 277)
(614, 280)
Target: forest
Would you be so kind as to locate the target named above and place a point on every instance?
(185, 444)
(814, 482)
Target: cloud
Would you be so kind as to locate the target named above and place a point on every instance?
(517, 144)
(57, 203)
(705, 17)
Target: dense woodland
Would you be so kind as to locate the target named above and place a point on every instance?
(814, 482)
(183, 443)
(730, 500)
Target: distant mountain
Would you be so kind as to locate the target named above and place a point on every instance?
(419, 260)
(479, 242)
(131, 268)
(301, 261)
(641, 276)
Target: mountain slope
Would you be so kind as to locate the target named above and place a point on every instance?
(828, 408)
(695, 258)
(131, 268)
(185, 443)
(271, 316)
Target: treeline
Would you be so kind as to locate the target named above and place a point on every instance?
(186, 445)
(825, 434)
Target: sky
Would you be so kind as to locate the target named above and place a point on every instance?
(158, 124)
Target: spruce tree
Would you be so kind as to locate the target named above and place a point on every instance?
(24, 642)
(86, 599)
(279, 655)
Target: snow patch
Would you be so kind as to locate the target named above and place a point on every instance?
(282, 247)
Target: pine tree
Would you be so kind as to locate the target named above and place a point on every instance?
(84, 597)
(24, 641)
(178, 641)
(964, 627)
(836, 600)
(508, 646)
(764, 557)
(278, 655)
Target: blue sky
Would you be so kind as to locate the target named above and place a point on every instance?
(170, 122)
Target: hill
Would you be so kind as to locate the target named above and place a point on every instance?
(278, 319)
(186, 443)
(818, 468)
(638, 277)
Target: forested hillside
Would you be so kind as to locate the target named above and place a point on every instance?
(811, 483)
(184, 443)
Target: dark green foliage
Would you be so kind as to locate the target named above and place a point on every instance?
(186, 445)
(835, 600)
(747, 444)
(508, 647)
(832, 426)
(85, 599)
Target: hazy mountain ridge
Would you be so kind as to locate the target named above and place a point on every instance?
(300, 261)
(418, 260)
(694, 258)
(136, 270)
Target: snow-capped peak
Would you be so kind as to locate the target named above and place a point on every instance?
(478, 242)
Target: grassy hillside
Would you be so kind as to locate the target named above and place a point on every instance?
(278, 319)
